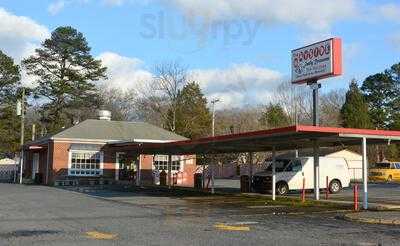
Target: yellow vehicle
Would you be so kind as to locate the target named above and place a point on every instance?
(385, 171)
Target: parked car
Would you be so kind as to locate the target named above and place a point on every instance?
(290, 174)
(385, 171)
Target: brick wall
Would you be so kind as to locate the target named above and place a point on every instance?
(28, 163)
(27, 168)
(109, 156)
(59, 161)
(146, 169)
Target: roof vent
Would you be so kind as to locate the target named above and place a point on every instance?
(104, 115)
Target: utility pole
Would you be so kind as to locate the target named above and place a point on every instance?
(213, 102)
(22, 113)
(33, 132)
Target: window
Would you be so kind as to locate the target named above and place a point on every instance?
(161, 163)
(86, 163)
(383, 165)
(295, 166)
(279, 165)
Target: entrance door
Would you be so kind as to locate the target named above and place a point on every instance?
(125, 169)
(35, 165)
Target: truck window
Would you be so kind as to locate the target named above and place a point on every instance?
(382, 165)
(294, 166)
(279, 165)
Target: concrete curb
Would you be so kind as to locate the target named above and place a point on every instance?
(355, 217)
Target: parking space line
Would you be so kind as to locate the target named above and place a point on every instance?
(100, 235)
(226, 227)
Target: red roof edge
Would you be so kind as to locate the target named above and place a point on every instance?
(341, 130)
(236, 135)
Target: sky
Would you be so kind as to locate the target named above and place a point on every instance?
(238, 51)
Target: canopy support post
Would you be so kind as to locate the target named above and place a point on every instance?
(138, 174)
(250, 170)
(203, 175)
(212, 174)
(273, 173)
(169, 171)
(365, 172)
(316, 170)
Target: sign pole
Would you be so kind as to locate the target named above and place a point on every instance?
(315, 87)
(309, 64)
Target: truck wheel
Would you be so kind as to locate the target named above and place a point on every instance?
(335, 186)
(282, 188)
(389, 179)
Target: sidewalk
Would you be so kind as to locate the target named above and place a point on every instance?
(385, 218)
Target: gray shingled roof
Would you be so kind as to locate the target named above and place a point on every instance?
(117, 130)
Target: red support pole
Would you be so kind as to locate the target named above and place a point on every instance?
(303, 191)
(327, 188)
(356, 197)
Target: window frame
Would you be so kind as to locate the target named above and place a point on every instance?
(178, 158)
(91, 152)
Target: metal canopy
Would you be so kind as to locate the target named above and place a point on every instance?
(288, 138)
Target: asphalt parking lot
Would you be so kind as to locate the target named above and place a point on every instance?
(37, 215)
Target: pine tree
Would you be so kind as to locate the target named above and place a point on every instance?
(274, 116)
(65, 72)
(379, 91)
(9, 130)
(9, 78)
(355, 109)
(193, 118)
(394, 73)
(9, 123)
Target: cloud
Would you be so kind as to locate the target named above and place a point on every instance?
(113, 2)
(123, 72)
(227, 100)
(239, 84)
(55, 7)
(312, 14)
(390, 11)
(235, 86)
(20, 35)
(394, 40)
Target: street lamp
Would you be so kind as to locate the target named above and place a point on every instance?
(21, 112)
(213, 102)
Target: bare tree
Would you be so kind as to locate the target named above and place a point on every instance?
(238, 120)
(160, 96)
(296, 101)
(330, 105)
(121, 103)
